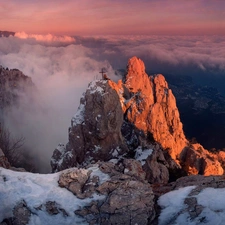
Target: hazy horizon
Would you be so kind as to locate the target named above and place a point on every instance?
(179, 17)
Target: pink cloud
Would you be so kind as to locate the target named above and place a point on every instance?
(46, 38)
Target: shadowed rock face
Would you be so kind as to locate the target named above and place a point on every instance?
(115, 119)
(13, 84)
(95, 132)
(101, 126)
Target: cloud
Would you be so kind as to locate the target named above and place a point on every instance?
(61, 75)
(45, 38)
(62, 67)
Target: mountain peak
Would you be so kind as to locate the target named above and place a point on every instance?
(135, 65)
(118, 120)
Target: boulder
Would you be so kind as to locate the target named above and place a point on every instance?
(129, 198)
(197, 160)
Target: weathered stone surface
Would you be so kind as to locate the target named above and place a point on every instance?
(129, 203)
(197, 160)
(53, 208)
(21, 214)
(153, 108)
(134, 168)
(128, 198)
(160, 167)
(75, 182)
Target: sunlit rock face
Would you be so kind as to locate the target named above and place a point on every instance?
(117, 120)
(197, 160)
(152, 108)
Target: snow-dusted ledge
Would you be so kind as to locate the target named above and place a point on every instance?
(36, 190)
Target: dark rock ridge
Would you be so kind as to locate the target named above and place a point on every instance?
(13, 85)
(6, 33)
(129, 119)
(17, 91)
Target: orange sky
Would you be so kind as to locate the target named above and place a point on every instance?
(101, 17)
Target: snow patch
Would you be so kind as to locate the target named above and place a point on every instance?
(115, 152)
(36, 190)
(61, 148)
(97, 148)
(142, 154)
(103, 177)
(94, 86)
(78, 118)
(214, 202)
(172, 203)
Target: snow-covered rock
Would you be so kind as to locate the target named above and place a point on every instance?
(100, 194)
(193, 200)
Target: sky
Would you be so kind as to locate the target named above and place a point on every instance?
(105, 17)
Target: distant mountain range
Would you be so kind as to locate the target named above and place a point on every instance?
(6, 33)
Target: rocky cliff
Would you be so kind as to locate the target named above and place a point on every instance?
(15, 88)
(152, 108)
(13, 84)
(128, 119)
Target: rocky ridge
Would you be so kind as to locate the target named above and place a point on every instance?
(121, 120)
(13, 85)
(16, 91)
(6, 33)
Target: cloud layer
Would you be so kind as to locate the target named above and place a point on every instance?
(62, 67)
(61, 75)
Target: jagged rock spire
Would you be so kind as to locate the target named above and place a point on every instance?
(114, 119)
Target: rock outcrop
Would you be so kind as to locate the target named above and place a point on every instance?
(152, 108)
(104, 193)
(118, 207)
(116, 120)
(13, 85)
(197, 160)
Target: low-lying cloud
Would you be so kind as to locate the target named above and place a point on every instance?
(62, 67)
(45, 38)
